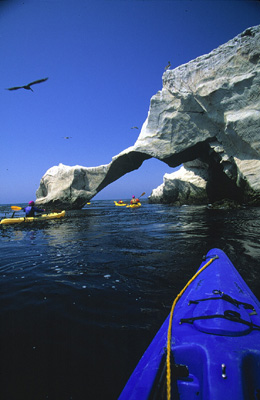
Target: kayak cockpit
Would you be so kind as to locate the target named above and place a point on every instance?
(159, 388)
(191, 380)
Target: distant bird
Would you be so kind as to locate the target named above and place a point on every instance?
(28, 87)
(134, 127)
(168, 66)
(67, 137)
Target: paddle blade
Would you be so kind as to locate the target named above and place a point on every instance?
(16, 208)
(142, 194)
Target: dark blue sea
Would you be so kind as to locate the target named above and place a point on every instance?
(82, 297)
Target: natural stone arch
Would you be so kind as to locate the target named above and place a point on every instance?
(206, 116)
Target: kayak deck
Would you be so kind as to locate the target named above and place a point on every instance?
(119, 204)
(215, 341)
(135, 205)
(43, 217)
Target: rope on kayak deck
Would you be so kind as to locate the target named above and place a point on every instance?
(168, 357)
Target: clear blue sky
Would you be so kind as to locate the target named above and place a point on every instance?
(104, 61)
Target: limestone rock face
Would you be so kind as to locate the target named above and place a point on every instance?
(185, 186)
(206, 117)
(69, 187)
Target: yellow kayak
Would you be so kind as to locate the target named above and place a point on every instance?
(119, 204)
(135, 205)
(43, 217)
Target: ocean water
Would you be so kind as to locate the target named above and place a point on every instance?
(82, 297)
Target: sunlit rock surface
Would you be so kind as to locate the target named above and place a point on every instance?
(185, 186)
(206, 117)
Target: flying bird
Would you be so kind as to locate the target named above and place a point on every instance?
(67, 137)
(28, 87)
(168, 66)
(134, 127)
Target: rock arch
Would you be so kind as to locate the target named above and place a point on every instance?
(206, 116)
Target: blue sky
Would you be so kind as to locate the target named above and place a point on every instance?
(104, 61)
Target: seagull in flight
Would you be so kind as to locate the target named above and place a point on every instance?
(67, 137)
(28, 87)
(134, 127)
(168, 66)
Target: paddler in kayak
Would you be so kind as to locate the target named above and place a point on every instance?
(120, 202)
(134, 200)
(30, 210)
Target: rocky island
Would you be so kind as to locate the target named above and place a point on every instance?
(205, 119)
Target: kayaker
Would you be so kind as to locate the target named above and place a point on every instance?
(120, 202)
(30, 210)
(134, 200)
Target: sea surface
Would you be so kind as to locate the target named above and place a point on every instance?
(82, 297)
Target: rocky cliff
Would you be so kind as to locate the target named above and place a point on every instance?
(206, 117)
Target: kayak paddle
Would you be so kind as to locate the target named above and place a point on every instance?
(16, 208)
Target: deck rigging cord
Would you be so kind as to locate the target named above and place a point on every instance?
(168, 355)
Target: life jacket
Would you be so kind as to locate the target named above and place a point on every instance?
(135, 201)
(29, 211)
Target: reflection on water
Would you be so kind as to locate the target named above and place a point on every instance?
(82, 297)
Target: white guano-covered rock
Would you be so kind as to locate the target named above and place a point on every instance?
(207, 111)
(185, 186)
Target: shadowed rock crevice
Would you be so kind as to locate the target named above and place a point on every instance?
(219, 186)
(199, 150)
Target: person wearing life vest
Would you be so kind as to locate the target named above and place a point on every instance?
(30, 210)
(134, 200)
(120, 202)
